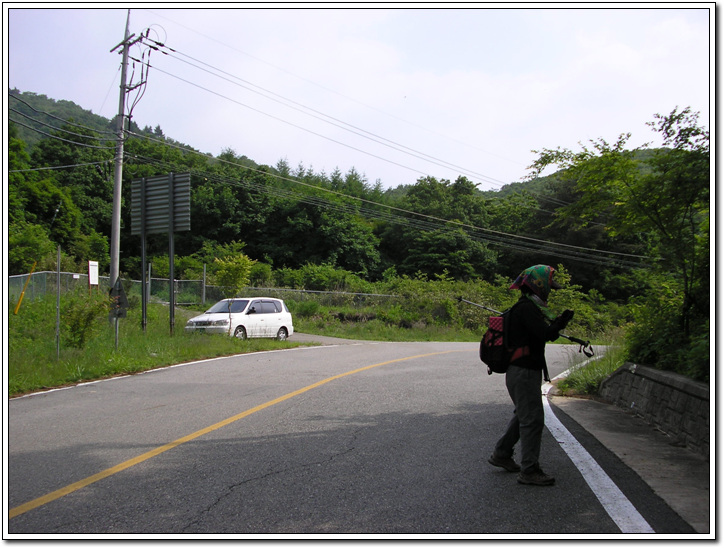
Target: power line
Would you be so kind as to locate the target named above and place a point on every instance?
(288, 122)
(334, 92)
(292, 104)
(14, 96)
(320, 115)
(329, 138)
(155, 45)
(48, 125)
(59, 138)
(61, 167)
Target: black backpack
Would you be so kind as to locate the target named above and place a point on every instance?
(494, 351)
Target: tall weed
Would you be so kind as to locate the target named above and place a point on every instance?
(585, 379)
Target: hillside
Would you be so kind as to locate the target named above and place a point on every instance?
(42, 114)
(31, 111)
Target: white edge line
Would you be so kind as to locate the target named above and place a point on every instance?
(618, 507)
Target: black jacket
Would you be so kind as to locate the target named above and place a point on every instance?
(528, 327)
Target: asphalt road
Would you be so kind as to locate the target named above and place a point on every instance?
(363, 439)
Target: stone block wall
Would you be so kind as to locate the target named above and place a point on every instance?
(675, 404)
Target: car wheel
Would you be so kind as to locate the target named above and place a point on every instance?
(240, 332)
(282, 334)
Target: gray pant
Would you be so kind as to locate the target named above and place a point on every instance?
(528, 419)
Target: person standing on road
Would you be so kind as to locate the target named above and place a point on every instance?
(531, 325)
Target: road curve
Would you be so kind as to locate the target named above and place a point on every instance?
(347, 438)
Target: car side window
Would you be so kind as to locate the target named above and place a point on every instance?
(267, 307)
(255, 308)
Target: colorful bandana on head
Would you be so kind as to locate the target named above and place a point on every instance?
(539, 279)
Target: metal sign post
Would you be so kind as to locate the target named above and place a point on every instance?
(171, 251)
(161, 204)
(144, 295)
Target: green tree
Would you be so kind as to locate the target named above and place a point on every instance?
(317, 231)
(664, 197)
(87, 174)
(39, 210)
(94, 247)
(450, 252)
(46, 204)
(18, 166)
(441, 234)
(232, 273)
(27, 243)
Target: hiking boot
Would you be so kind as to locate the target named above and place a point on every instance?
(508, 463)
(536, 477)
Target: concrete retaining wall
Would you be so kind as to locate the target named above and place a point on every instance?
(671, 402)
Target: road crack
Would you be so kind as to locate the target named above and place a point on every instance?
(229, 490)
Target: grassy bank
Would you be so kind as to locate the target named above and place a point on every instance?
(88, 349)
(34, 363)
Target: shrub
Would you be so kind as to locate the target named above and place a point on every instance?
(288, 277)
(82, 316)
(697, 356)
(323, 277)
(304, 309)
(261, 275)
(396, 316)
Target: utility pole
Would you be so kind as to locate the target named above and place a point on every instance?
(118, 172)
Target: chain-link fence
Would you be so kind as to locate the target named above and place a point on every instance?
(324, 298)
(187, 292)
(41, 283)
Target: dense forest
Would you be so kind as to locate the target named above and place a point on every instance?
(629, 226)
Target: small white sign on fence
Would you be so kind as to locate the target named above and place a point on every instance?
(92, 273)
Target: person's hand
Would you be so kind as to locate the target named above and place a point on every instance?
(563, 319)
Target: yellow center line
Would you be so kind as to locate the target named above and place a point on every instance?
(45, 499)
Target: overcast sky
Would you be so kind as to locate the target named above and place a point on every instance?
(408, 92)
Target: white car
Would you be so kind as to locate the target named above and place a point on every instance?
(244, 318)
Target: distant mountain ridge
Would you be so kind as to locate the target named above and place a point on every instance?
(39, 105)
(33, 106)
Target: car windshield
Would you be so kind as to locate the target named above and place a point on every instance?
(223, 306)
